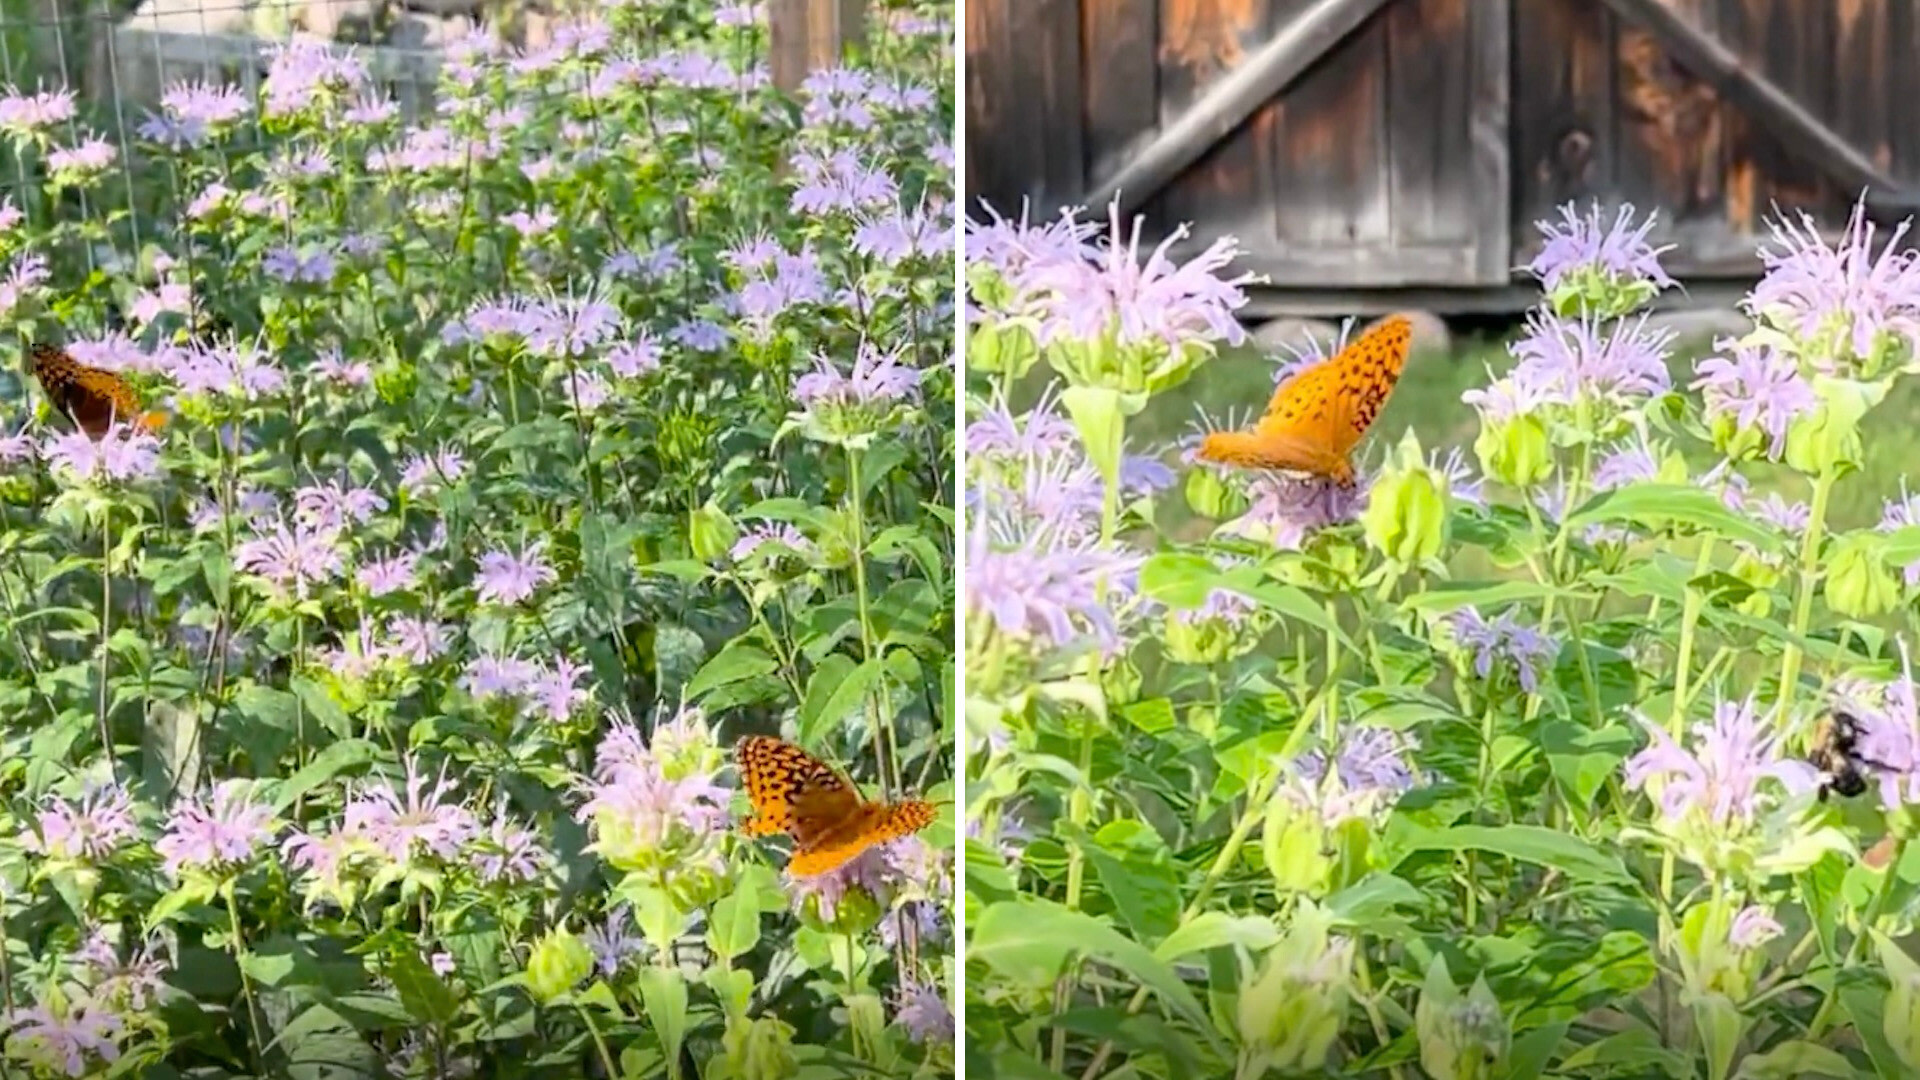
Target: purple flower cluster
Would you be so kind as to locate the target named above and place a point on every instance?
(1111, 291)
(1616, 362)
(1837, 299)
(1525, 650)
(657, 805)
(1618, 253)
(1757, 388)
(1369, 773)
(217, 832)
(1717, 780)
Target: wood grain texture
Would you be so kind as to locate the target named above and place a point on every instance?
(1412, 144)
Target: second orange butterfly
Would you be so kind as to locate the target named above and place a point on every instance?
(93, 398)
(798, 794)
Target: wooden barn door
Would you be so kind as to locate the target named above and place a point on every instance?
(1347, 143)
(1714, 112)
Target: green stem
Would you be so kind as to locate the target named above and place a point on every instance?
(1803, 604)
(877, 711)
(1683, 662)
(106, 639)
(606, 1055)
(246, 981)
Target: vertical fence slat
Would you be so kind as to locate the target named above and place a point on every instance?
(808, 35)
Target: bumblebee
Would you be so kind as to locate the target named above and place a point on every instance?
(1836, 753)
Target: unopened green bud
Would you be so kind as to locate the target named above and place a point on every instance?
(760, 1049)
(559, 961)
(1292, 1010)
(1739, 442)
(1828, 439)
(1859, 583)
(1002, 347)
(1294, 842)
(1406, 515)
(1121, 682)
(1461, 1038)
(1211, 496)
(711, 533)
(1517, 451)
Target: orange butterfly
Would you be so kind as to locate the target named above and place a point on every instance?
(93, 398)
(798, 794)
(1318, 416)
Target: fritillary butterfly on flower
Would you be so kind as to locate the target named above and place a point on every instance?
(93, 398)
(1319, 415)
(795, 793)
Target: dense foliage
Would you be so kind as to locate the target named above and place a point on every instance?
(1473, 772)
(373, 717)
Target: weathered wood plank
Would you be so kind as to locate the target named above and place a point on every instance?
(1225, 186)
(1122, 79)
(1489, 121)
(988, 174)
(1331, 154)
(1230, 100)
(1755, 92)
(1903, 87)
(807, 35)
(1562, 106)
(1430, 164)
(1060, 102)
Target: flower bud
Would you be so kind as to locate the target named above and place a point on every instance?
(1823, 441)
(1737, 442)
(1211, 496)
(1120, 681)
(1406, 515)
(1004, 347)
(1461, 1038)
(1517, 451)
(1294, 841)
(759, 1048)
(1291, 1011)
(559, 961)
(1859, 584)
(711, 533)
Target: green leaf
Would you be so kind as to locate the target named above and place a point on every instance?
(732, 664)
(1793, 1059)
(1213, 929)
(834, 693)
(733, 927)
(1136, 872)
(1442, 597)
(1655, 506)
(664, 993)
(424, 993)
(1030, 941)
(1571, 855)
(329, 763)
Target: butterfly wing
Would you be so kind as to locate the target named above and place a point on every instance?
(1364, 375)
(93, 398)
(1316, 417)
(870, 824)
(1295, 435)
(791, 791)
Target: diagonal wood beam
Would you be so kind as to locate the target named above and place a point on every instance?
(1743, 85)
(1230, 100)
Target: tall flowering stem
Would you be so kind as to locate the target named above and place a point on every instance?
(1809, 576)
